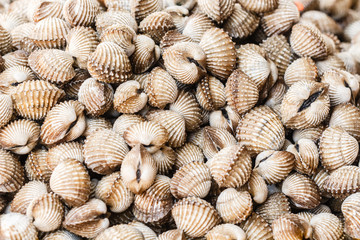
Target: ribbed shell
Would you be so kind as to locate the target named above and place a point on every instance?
(257, 187)
(175, 234)
(104, 151)
(121, 231)
(346, 116)
(18, 57)
(5, 42)
(343, 181)
(146, 231)
(61, 235)
(259, 6)
(301, 69)
(50, 33)
(322, 21)
(291, 226)
(195, 216)
(337, 148)
(47, 212)
(64, 122)
(226, 231)
(29, 192)
(241, 23)
(302, 191)
(276, 205)
(225, 118)
(210, 93)
(351, 210)
(12, 76)
(112, 190)
(96, 96)
(140, 9)
(126, 120)
(188, 153)
(220, 52)
(93, 124)
(81, 42)
(256, 228)
(165, 159)
(36, 167)
(11, 172)
(11, 20)
(306, 156)
(129, 98)
(107, 19)
(172, 37)
(191, 180)
(33, 99)
(63, 151)
(233, 206)
(261, 129)
(46, 9)
(122, 35)
(20, 136)
(156, 25)
(71, 181)
(196, 25)
(17, 226)
(81, 12)
(217, 10)
(6, 109)
(326, 226)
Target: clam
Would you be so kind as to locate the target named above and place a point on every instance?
(140, 9)
(291, 226)
(196, 25)
(36, 167)
(188, 153)
(93, 124)
(217, 10)
(46, 9)
(61, 235)
(121, 34)
(225, 118)
(257, 187)
(62, 151)
(351, 211)
(326, 226)
(120, 231)
(156, 25)
(165, 159)
(322, 21)
(6, 109)
(129, 98)
(80, 12)
(107, 19)
(18, 57)
(345, 116)
(276, 205)
(172, 37)
(275, 96)
(301, 69)
(11, 172)
(224, 231)
(20, 35)
(146, 231)
(126, 120)
(259, 6)
(177, 234)
(6, 41)
(12, 76)
(17, 226)
(256, 228)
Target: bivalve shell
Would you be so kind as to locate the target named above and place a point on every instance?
(122, 35)
(6, 109)
(326, 226)
(146, 231)
(291, 226)
(217, 10)
(126, 120)
(256, 228)
(109, 18)
(121, 231)
(140, 9)
(165, 159)
(351, 210)
(81, 12)
(156, 25)
(46, 9)
(12, 76)
(225, 231)
(276, 205)
(60, 152)
(17, 226)
(301, 69)
(259, 6)
(343, 181)
(11, 172)
(175, 234)
(6, 41)
(129, 98)
(61, 235)
(196, 25)
(36, 166)
(188, 153)
(346, 116)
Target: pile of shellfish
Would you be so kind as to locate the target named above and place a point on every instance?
(179, 119)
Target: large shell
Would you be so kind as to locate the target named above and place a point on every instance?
(351, 210)
(104, 151)
(346, 116)
(107, 19)
(63, 151)
(218, 10)
(126, 120)
(276, 205)
(122, 35)
(36, 166)
(140, 9)
(121, 231)
(225, 231)
(81, 12)
(306, 104)
(301, 69)
(12, 76)
(191, 180)
(196, 25)
(20, 136)
(96, 96)
(156, 25)
(233, 206)
(195, 216)
(220, 52)
(326, 226)
(29, 100)
(17, 226)
(50, 33)
(6, 109)
(188, 153)
(81, 42)
(64, 122)
(129, 98)
(87, 220)
(109, 63)
(71, 181)
(112, 190)
(256, 228)
(231, 166)
(291, 226)
(337, 148)
(261, 129)
(259, 6)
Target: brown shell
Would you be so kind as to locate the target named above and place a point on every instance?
(188, 153)
(129, 98)
(156, 25)
(291, 226)
(322, 21)
(351, 210)
(196, 25)
(146, 231)
(120, 231)
(6, 109)
(225, 231)
(12, 76)
(63, 151)
(95, 123)
(256, 228)
(257, 187)
(308, 133)
(11, 172)
(306, 156)
(20, 35)
(18, 57)
(81, 12)
(225, 118)
(217, 10)
(346, 116)
(121, 34)
(172, 37)
(47, 9)
(276, 205)
(36, 166)
(326, 226)
(175, 234)
(109, 18)
(259, 6)
(126, 120)
(140, 9)
(165, 159)
(6, 41)
(17, 226)
(104, 151)
(60, 235)
(210, 93)
(301, 69)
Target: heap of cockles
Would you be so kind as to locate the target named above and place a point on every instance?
(179, 119)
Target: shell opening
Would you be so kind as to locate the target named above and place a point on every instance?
(191, 60)
(310, 100)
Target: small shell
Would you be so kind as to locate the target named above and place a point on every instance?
(6, 41)
(46, 9)
(275, 206)
(196, 25)
(109, 63)
(191, 180)
(122, 231)
(241, 92)
(195, 216)
(233, 206)
(138, 169)
(332, 62)
(225, 118)
(274, 166)
(307, 41)
(17, 226)
(11, 172)
(6, 109)
(220, 52)
(129, 98)
(154, 205)
(188, 153)
(175, 234)
(112, 190)
(346, 116)
(81, 42)
(36, 167)
(20, 35)
(179, 13)
(291, 226)
(281, 19)
(150, 134)
(259, 6)
(337, 10)
(123, 122)
(104, 151)
(337, 148)
(81, 12)
(140, 9)
(11, 20)
(241, 23)
(326, 226)
(301, 69)
(302, 191)
(29, 101)
(29, 192)
(87, 220)
(12, 76)
(93, 124)
(165, 159)
(256, 228)
(319, 178)
(96, 96)
(217, 10)
(122, 35)
(257, 187)
(306, 104)
(226, 231)
(63, 151)
(107, 19)
(275, 97)
(20, 136)
(47, 212)
(145, 55)
(156, 25)
(50, 33)
(306, 156)
(351, 210)
(261, 129)
(71, 181)
(64, 122)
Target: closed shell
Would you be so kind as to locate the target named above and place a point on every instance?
(6, 41)
(196, 25)
(121, 231)
(126, 120)
(291, 226)
(172, 37)
(6, 109)
(257, 187)
(351, 210)
(343, 181)
(326, 226)
(81, 12)
(256, 228)
(259, 6)
(188, 153)
(129, 98)
(109, 18)
(156, 25)
(140, 9)
(146, 231)
(225, 231)
(301, 69)
(276, 205)
(225, 118)
(63, 151)
(36, 166)
(11, 172)
(175, 234)
(47, 9)
(17, 226)
(12, 76)
(93, 124)
(61, 235)
(121, 34)
(218, 10)
(165, 159)
(345, 115)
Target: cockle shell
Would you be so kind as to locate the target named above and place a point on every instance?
(165, 159)
(115, 5)
(18, 57)
(17, 226)
(81, 42)
(346, 116)
(217, 10)
(256, 228)
(261, 129)
(195, 216)
(11, 20)
(146, 231)
(175, 234)
(226, 231)
(337, 148)
(172, 37)
(351, 210)
(46, 9)
(326, 226)
(11, 172)
(220, 52)
(29, 101)
(109, 18)
(156, 25)
(112, 190)
(140, 9)
(36, 166)
(126, 120)
(210, 93)
(50, 33)
(191, 180)
(138, 169)
(259, 6)
(319, 178)
(188, 153)
(61, 235)
(20, 136)
(178, 13)
(109, 63)
(196, 25)
(120, 231)
(336, 9)
(276, 205)
(20, 35)
(121, 34)
(291, 226)
(60, 152)
(225, 118)
(71, 181)
(6, 41)
(301, 69)
(64, 122)
(257, 187)
(12, 76)
(129, 98)
(104, 151)
(233, 206)
(322, 21)
(81, 12)
(93, 124)
(87, 220)
(306, 104)
(332, 62)
(302, 191)
(6, 109)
